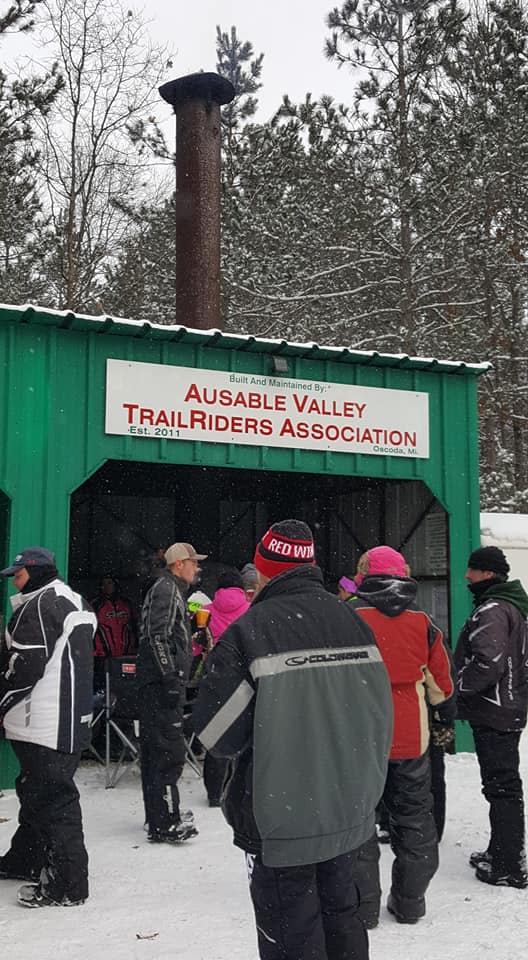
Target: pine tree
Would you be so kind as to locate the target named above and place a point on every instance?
(398, 51)
(300, 266)
(22, 230)
(235, 60)
(142, 282)
(282, 217)
(21, 222)
(490, 106)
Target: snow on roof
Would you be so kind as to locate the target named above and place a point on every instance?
(507, 530)
(66, 319)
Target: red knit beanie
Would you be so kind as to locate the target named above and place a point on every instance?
(286, 545)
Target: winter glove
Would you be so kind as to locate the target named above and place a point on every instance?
(442, 734)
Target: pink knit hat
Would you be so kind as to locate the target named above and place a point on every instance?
(386, 560)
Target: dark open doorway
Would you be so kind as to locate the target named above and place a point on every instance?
(121, 515)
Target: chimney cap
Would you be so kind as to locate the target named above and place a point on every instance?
(210, 87)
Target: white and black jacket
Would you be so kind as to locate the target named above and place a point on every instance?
(46, 669)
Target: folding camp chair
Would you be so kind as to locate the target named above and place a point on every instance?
(188, 732)
(118, 707)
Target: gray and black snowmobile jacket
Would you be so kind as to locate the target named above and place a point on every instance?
(297, 694)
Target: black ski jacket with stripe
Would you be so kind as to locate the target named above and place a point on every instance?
(296, 693)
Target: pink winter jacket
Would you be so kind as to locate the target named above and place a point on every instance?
(229, 604)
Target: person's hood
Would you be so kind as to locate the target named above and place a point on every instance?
(227, 599)
(510, 590)
(390, 595)
(228, 605)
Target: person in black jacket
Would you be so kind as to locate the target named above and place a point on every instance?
(46, 668)
(296, 694)
(491, 657)
(163, 663)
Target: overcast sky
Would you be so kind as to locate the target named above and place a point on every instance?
(290, 33)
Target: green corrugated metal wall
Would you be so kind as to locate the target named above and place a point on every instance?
(53, 406)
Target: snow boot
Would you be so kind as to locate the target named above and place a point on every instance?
(487, 873)
(369, 911)
(177, 833)
(406, 910)
(186, 816)
(479, 857)
(32, 895)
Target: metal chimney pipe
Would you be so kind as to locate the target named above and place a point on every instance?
(196, 99)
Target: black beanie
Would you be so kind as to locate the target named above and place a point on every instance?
(489, 559)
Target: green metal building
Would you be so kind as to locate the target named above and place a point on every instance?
(120, 437)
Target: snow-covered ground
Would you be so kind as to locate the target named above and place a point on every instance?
(156, 902)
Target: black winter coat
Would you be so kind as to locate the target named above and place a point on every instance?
(164, 653)
(491, 658)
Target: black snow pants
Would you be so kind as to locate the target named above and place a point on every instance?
(409, 801)
(438, 790)
(438, 787)
(49, 841)
(308, 912)
(162, 752)
(368, 879)
(498, 757)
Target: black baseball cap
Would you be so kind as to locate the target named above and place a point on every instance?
(30, 557)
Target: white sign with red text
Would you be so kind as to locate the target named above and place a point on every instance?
(182, 403)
